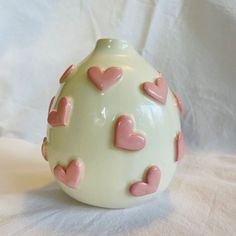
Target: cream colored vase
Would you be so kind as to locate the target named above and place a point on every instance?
(114, 135)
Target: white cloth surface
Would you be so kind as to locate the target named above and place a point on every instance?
(199, 201)
(191, 41)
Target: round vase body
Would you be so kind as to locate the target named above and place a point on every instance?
(86, 129)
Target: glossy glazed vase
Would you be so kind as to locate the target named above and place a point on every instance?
(114, 136)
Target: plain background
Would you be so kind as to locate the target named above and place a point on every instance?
(191, 41)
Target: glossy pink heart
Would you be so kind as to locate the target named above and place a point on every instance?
(179, 143)
(178, 102)
(60, 116)
(149, 184)
(104, 79)
(125, 137)
(157, 91)
(51, 103)
(70, 175)
(67, 73)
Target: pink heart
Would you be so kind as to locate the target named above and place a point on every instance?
(67, 72)
(69, 175)
(60, 117)
(51, 103)
(179, 142)
(125, 138)
(157, 91)
(104, 79)
(149, 185)
(178, 102)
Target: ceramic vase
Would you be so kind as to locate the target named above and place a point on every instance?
(114, 136)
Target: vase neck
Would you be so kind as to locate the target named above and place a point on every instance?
(113, 44)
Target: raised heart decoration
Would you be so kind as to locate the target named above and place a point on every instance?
(148, 185)
(44, 148)
(67, 72)
(61, 115)
(125, 137)
(157, 90)
(51, 103)
(178, 102)
(70, 175)
(104, 79)
(179, 143)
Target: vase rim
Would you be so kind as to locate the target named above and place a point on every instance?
(112, 40)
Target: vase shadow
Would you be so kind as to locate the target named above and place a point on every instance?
(61, 214)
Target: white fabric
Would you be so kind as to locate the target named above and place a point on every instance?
(191, 41)
(199, 201)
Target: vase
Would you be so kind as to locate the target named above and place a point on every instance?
(114, 137)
